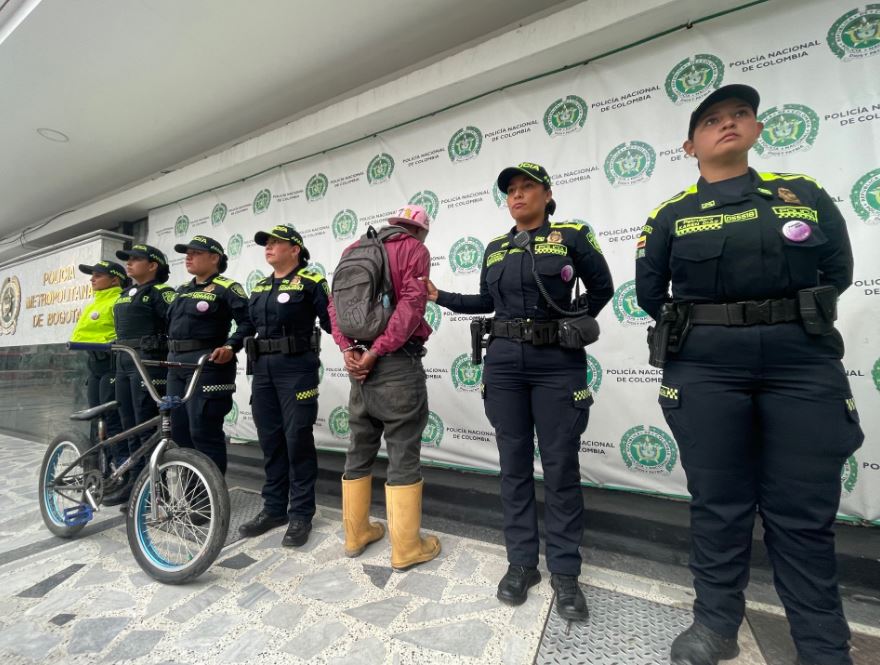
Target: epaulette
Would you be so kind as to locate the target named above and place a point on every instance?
(223, 281)
(311, 275)
(161, 287)
(567, 225)
(767, 176)
(501, 237)
(675, 199)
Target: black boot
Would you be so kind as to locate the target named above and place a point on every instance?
(699, 645)
(297, 533)
(262, 523)
(570, 601)
(119, 494)
(514, 586)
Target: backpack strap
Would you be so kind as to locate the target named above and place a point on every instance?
(382, 236)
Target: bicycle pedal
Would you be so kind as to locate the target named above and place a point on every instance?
(78, 515)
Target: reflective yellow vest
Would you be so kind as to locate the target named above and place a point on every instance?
(96, 322)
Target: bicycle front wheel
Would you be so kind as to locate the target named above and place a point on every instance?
(192, 517)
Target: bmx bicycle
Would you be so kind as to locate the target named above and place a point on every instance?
(178, 511)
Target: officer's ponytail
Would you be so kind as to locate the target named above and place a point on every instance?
(222, 264)
(550, 208)
(162, 274)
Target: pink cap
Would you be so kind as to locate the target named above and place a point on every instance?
(411, 214)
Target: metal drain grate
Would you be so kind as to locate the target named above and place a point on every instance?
(244, 505)
(621, 630)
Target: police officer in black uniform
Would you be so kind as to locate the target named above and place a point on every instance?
(753, 387)
(141, 317)
(283, 358)
(199, 322)
(531, 383)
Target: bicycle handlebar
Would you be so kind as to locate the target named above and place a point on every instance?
(141, 368)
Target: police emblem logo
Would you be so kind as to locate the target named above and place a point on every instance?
(498, 196)
(465, 144)
(465, 375)
(594, 374)
(849, 475)
(465, 255)
(181, 226)
(210, 288)
(234, 246)
(789, 128)
(630, 163)
(168, 295)
(338, 422)
(316, 187)
(262, 201)
(380, 168)
(10, 305)
(296, 279)
(344, 225)
(865, 197)
(856, 34)
(626, 308)
(649, 450)
(432, 435)
(565, 116)
(218, 214)
(428, 200)
(875, 374)
(433, 315)
(554, 236)
(787, 195)
(693, 78)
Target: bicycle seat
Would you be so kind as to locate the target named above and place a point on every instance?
(94, 412)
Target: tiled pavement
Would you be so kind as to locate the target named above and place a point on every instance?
(86, 600)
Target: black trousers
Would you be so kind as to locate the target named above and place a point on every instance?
(529, 389)
(135, 404)
(100, 389)
(199, 423)
(764, 420)
(284, 401)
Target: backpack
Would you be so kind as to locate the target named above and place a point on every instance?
(363, 293)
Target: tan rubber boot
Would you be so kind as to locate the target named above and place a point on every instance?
(408, 547)
(359, 530)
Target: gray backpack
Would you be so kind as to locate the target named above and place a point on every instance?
(363, 293)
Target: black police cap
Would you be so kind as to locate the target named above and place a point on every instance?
(201, 244)
(143, 252)
(282, 232)
(106, 267)
(534, 171)
(733, 91)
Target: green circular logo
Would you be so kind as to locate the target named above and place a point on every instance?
(345, 224)
(428, 200)
(630, 163)
(233, 247)
(865, 197)
(594, 374)
(465, 144)
(181, 226)
(875, 374)
(338, 422)
(648, 449)
(466, 255)
(626, 307)
(262, 201)
(218, 214)
(693, 78)
(316, 187)
(380, 168)
(849, 475)
(318, 268)
(856, 34)
(465, 375)
(565, 116)
(232, 417)
(787, 129)
(498, 196)
(252, 279)
(433, 315)
(432, 435)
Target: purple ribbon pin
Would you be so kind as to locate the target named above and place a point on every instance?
(202, 306)
(796, 230)
(566, 273)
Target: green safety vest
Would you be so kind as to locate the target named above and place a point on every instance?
(95, 324)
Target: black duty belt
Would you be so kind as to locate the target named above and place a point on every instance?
(749, 313)
(282, 345)
(537, 333)
(133, 342)
(184, 345)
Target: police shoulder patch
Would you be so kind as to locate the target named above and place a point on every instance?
(223, 281)
(169, 295)
(237, 289)
(768, 176)
(310, 275)
(162, 287)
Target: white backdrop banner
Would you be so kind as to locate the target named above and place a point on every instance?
(610, 133)
(43, 293)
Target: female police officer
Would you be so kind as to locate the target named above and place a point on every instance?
(140, 314)
(533, 384)
(284, 394)
(755, 393)
(95, 324)
(199, 322)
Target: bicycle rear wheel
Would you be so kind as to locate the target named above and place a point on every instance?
(70, 493)
(192, 506)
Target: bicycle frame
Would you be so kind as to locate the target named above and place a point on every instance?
(162, 422)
